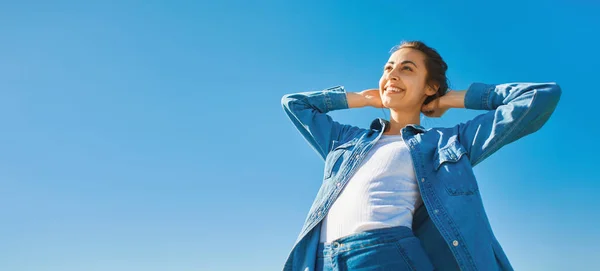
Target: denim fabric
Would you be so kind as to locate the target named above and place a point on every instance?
(453, 226)
(393, 249)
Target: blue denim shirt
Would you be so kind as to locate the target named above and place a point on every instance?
(452, 224)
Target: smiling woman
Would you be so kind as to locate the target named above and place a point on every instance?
(398, 196)
(431, 70)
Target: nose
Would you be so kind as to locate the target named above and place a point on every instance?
(393, 75)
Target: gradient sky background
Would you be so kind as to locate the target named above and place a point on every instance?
(149, 135)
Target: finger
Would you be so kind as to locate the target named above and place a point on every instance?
(427, 107)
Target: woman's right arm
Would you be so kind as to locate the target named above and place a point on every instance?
(308, 112)
(514, 111)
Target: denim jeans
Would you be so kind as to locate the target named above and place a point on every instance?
(394, 248)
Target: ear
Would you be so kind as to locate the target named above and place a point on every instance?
(432, 89)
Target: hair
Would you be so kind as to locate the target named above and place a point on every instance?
(434, 64)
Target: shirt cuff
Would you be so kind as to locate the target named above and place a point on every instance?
(335, 98)
(478, 96)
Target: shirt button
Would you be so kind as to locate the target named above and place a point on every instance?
(455, 243)
(338, 184)
(423, 180)
(436, 211)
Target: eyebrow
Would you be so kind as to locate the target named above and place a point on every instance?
(404, 62)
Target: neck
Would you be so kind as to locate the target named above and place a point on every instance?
(399, 120)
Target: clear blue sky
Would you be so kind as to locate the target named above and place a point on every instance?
(149, 135)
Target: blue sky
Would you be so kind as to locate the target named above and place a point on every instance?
(149, 135)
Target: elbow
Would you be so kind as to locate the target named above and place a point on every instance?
(545, 105)
(286, 101)
(554, 93)
(552, 97)
(293, 103)
(545, 97)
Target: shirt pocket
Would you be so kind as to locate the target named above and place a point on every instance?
(336, 156)
(454, 170)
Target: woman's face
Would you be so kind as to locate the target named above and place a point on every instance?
(402, 85)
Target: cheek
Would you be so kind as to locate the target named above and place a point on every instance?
(414, 86)
(381, 83)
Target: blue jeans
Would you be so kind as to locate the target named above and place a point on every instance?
(394, 248)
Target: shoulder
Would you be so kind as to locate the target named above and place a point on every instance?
(350, 136)
(440, 138)
(443, 145)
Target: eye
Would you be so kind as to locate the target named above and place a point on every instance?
(407, 68)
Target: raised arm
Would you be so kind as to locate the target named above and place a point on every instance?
(515, 110)
(308, 112)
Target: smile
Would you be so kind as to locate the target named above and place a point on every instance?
(394, 90)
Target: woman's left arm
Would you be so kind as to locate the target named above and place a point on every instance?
(515, 110)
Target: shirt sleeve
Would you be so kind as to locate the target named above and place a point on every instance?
(308, 112)
(515, 110)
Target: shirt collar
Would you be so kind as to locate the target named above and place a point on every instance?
(379, 124)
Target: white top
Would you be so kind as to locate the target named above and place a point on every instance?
(383, 192)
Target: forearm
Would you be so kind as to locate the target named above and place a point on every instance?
(514, 111)
(537, 96)
(308, 113)
(453, 99)
(356, 100)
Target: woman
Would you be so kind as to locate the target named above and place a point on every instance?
(398, 196)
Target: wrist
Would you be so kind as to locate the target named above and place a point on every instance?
(453, 99)
(356, 99)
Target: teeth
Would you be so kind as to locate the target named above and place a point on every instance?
(393, 89)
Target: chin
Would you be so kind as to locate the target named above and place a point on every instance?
(397, 107)
(393, 105)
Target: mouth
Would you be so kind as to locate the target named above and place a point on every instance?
(393, 90)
